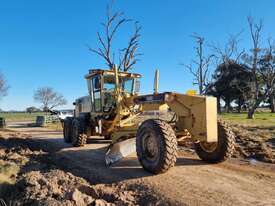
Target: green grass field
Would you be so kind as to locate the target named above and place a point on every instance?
(20, 116)
(260, 118)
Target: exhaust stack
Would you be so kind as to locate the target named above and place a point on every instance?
(156, 82)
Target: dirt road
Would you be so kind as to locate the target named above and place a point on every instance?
(190, 182)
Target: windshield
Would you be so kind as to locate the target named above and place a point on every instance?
(126, 84)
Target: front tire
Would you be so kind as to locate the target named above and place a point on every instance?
(79, 137)
(156, 146)
(217, 151)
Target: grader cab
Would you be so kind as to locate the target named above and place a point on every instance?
(114, 110)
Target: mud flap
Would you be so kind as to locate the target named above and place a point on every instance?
(119, 150)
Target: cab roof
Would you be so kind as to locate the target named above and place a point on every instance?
(94, 72)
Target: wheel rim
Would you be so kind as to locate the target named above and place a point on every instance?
(209, 146)
(150, 147)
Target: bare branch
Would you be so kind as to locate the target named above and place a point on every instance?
(230, 52)
(127, 57)
(49, 98)
(200, 67)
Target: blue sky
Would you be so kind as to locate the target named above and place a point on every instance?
(43, 43)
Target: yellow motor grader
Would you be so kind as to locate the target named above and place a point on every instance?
(114, 109)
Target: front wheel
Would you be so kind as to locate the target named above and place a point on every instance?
(156, 146)
(217, 151)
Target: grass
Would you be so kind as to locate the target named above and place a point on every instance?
(260, 119)
(264, 119)
(20, 116)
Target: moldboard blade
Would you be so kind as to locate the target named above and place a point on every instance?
(120, 150)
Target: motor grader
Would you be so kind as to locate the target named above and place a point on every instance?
(115, 110)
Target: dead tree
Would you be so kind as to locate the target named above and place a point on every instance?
(3, 86)
(255, 32)
(199, 68)
(127, 56)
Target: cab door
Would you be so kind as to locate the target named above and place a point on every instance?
(97, 93)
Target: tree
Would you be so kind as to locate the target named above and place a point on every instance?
(267, 73)
(49, 98)
(271, 101)
(199, 68)
(230, 83)
(127, 56)
(3, 86)
(252, 60)
(227, 60)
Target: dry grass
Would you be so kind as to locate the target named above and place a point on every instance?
(55, 126)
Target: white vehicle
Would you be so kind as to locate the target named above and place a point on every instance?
(62, 114)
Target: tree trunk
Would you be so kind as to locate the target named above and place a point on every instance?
(252, 109)
(239, 106)
(227, 106)
(219, 104)
(272, 103)
(250, 114)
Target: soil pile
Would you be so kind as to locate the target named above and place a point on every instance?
(254, 143)
(251, 143)
(62, 188)
(28, 177)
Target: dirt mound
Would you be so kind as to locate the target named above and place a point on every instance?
(28, 176)
(253, 143)
(54, 187)
(62, 188)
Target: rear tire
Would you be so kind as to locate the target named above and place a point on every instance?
(79, 137)
(156, 146)
(217, 151)
(67, 130)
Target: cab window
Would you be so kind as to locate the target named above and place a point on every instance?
(127, 86)
(97, 93)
